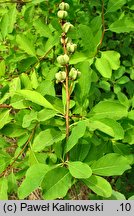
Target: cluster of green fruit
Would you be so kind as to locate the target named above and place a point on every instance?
(70, 47)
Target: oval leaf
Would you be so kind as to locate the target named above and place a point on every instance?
(56, 183)
(99, 185)
(3, 188)
(77, 132)
(34, 177)
(79, 170)
(103, 67)
(47, 138)
(110, 165)
(109, 109)
(4, 118)
(108, 126)
(25, 44)
(115, 5)
(35, 97)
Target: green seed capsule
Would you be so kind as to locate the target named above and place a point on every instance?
(64, 6)
(60, 76)
(73, 74)
(71, 47)
(63, 59)
(62, 14)
(67, 26)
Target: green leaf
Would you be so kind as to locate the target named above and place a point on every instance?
(125, 24)
(47, 138)
(2, 68)
(77, 132)
(56, 183)
(129, 136)
(12, 183)
(34, 177)
(87, 39)
(110, 60)
(123, 80)
(109, 109)
(103, 66)
(28, 118)
(99, 185)
(121, 148)
(42, 29)
(4, 118)
(18, 102)
(110, 165)
(104, 85)
(12, 17)
(78, 57)
(131, 114)
(25, 44)
(25, 81)
(51, 42)
(37, 1)
(82, 91)
(131, 198)
(35, 97)
(79, 170)
(115, 5)
(56, 103)
(13, 130)
(34, 80)
(2, 164)
(3, 189)
(108, 126)
(15, 85)
(112, 57)
(116, 196)
(45, 114)
(4, 25)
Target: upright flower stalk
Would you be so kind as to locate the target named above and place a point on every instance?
(67, 75)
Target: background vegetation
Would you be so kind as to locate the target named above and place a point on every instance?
(37, 158)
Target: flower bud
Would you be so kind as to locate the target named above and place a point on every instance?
(63, 59)
(62, 14)
(71, 47)
(60, 76)
(67, 26)
(64, 6)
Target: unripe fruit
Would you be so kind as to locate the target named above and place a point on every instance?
(60, 76)
(73, 74)
(63, 59)
(71, 47)
(67, 26)
(62, 14)
(64, 6)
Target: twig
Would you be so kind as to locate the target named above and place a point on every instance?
(67, 90)
(103, 27)
(5, 106)
(20, 153)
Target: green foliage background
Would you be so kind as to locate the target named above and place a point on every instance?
(32, 105)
